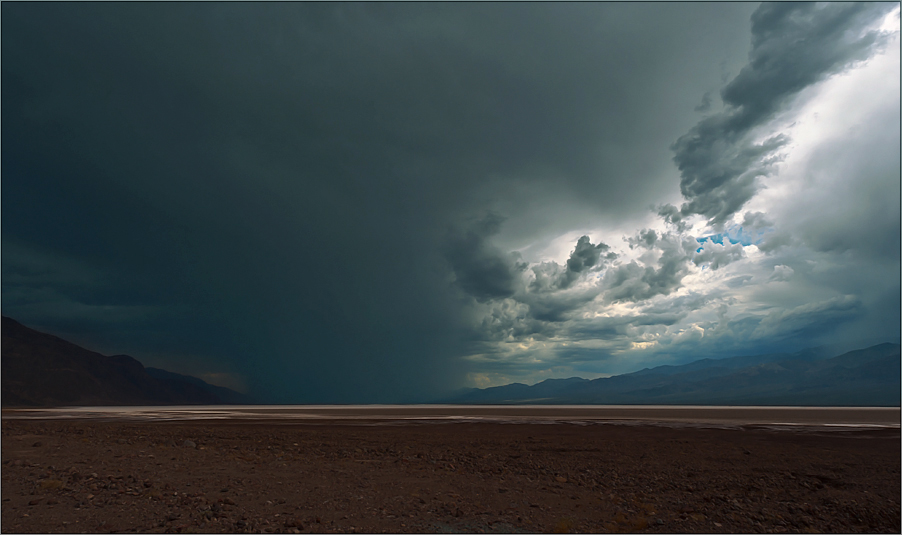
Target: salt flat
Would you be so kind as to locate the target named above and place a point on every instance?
(716, 416)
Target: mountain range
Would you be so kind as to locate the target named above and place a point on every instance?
(865, 377)
(42, 370)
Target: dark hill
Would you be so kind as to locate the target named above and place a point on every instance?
(866, 377)
(41, 370)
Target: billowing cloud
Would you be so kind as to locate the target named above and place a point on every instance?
(794, 45)
(634, 282)
(716, 255)
(550, 276)
(781, 273)
(481, 269)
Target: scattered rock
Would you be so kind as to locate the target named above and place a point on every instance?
(34, 502)
(560, 479)
(189, 444)
(37, 444)
(294, 523)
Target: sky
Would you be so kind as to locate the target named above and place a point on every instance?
(383, 203)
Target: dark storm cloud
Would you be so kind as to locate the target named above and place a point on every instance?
(705, 104)
(608, 328)
(482, 270)
(646, 239)
(266, 189)
(768, 239)
(634, 282)
(717, 255)
(694, 300)
(780, 330)
(585, 257)
(497, 279)
(290, 158)
(556, 307)
(509, 320)
(794, 45)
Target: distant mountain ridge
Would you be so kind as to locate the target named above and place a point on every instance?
(865, 377)
(42, 370)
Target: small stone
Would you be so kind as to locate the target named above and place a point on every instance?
(560, 479)
(51, 501)
(37, 444)
(189, 444)
(659, 522)
(34, 502)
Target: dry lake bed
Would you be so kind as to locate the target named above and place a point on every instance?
(451, 469)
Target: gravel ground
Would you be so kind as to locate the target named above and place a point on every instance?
(64, 477)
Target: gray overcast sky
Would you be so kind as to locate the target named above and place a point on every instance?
(334, 202)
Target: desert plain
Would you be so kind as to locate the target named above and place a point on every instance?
(457, 476)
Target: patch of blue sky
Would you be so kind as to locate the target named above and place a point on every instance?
(734, 235)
